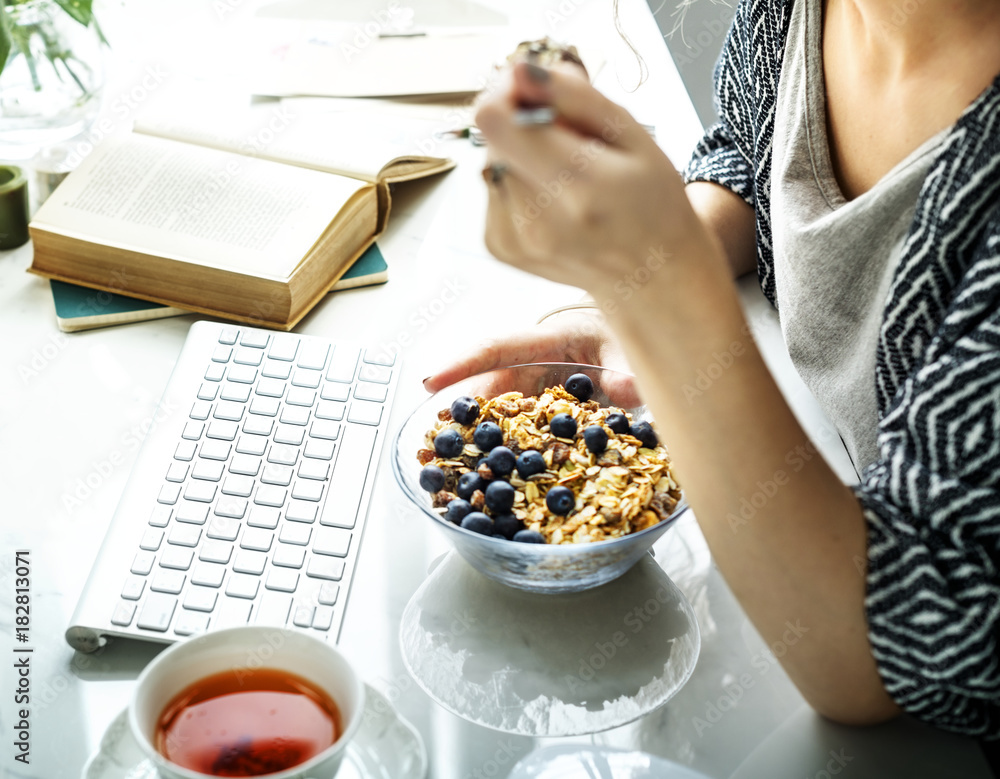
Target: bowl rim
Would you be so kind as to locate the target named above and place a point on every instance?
(503, 543)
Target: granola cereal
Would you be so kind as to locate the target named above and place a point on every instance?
(624, 488)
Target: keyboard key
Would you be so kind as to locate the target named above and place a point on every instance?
(232, 612)
(276, 370)
(227, 409)
(256, 425)
(329, 409)
(283, 455)
(325, 567)
(299, 396)
(328, 593)
(334, 391)
(263, 517)
(229, 335)
(295, 534)
(301, 511)
(177, 471)
(255, 338)
(223, 528)
(348, 479)
(208, 574)
(312, 354)
(251, 444)
(222, 353)
(282, 580)
(323, 618)
(184, 535)
(160, 516)
(200, 598)
(193, 430)
(314, 469)
(215, 551)
(134, 585)
(190, 623)
(151, 539)
(362, 412)
(294, 415)
(332, 541)
(242, 586)
(319, 449)
(289, 434)
(322, 428)
(244, 374)
(208, 391)
(192, 513)
(270, 388)
(230, 506)
(225, 431)
(366, 391)
(142, 563)
(376, 373)
(208, 470)
(171, 582)
(267, 407)
(177, 558)
(201, 491)
(241, 486)
(273, 609)
(238, 393)
(283, 347)
(215, 372)
(343, 363)
(268, 495)
(257, 539)
(245, 464)
(287, 556)
(380, 357)
(215, 450)
(185, 451)
(302, 377)
(277, 474)
(169, 494)
(246, 356)
(123, 614)
(307, 490)
(157, 612)
(303, 617)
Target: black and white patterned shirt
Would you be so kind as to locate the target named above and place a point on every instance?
(932, 499)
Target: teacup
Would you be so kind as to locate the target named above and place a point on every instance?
(247, 652)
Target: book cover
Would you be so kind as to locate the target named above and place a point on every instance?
(82, 308)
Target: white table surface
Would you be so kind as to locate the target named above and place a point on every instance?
(73, 405)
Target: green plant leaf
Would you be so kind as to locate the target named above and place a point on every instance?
(81, 10)
(5, 41)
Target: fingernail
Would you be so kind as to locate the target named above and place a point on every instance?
(537, 73)
(426, 380)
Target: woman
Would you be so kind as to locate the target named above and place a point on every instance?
(857, 166)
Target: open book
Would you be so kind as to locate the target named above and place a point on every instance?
(252, 218)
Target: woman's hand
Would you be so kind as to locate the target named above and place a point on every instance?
(572, 336)
(585, 200)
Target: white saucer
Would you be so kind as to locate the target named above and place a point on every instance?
(386, 747)
(549, 664)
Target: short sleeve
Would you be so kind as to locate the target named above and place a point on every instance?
(932, 506)
(717, 159)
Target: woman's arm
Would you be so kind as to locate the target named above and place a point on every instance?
(791, 558)
(728, 217)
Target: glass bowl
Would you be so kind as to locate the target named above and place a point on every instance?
(534, 567)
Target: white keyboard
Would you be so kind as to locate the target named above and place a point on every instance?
(248, 497)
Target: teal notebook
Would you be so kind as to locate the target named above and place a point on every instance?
(82, 308)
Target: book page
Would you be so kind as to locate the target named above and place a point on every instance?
(197, 205)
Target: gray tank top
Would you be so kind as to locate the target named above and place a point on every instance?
(833, 259)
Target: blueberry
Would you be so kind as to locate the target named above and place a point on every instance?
(580, 386)
(645, 433)
(595, 438)
(448, 443)
(529, 537)
(488, 435)
(457, 510)
(507, 525)
(560, 500)
(464, 410)
(499, 497)
(563, 426)
(618, 423)
(432, 478)
(468, 483)
(530, 463)
(478, 522)
(501, 461)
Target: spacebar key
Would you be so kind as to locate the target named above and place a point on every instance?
(349, 475)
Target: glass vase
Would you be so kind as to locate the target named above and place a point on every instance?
(50, 86)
